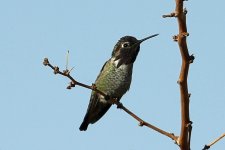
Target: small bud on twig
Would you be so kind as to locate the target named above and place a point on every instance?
(141, 124)
(56, 70)
(178, 81)
(66, 72)
(191, 58)
(185, 34)
(45, 62)
(189, 95)
(175, 38)
(185, 11)
(72, 84)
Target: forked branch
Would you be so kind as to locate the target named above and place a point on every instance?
(73, 83)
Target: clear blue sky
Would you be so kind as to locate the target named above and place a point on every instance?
(38, 113)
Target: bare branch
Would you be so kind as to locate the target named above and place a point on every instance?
(213, 142)
(173, 14)
(185, 134)
(93, 87)
(186, 125)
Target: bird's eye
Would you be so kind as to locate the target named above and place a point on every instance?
(125, 44)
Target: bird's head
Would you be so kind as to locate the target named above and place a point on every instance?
(126, 49)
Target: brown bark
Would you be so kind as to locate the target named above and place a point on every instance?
(186, 124)
(185, 133)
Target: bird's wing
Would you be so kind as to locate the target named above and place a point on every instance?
(101, 70)
(95, 97)
(95, 108)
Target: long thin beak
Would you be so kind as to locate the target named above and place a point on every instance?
(142, 40)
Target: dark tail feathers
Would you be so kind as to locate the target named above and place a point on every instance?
(84, 126)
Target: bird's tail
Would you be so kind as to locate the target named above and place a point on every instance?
(84, 125)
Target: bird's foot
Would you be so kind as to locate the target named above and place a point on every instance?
(119, 105)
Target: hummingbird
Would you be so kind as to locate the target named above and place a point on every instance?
(114, 78)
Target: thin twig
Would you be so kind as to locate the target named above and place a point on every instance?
(213, 142)
(93, 87)
(173, 14)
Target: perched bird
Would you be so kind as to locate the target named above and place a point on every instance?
(114, 78)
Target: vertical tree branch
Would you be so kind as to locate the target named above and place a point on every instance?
(186, 124)
(185, 134)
